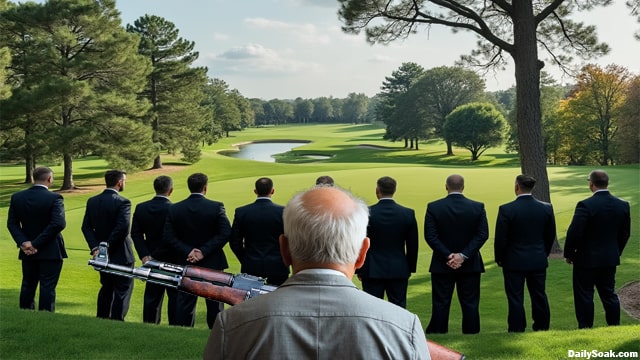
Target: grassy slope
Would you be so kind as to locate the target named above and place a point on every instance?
(75, 333)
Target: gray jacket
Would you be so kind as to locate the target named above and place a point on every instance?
(317, 316)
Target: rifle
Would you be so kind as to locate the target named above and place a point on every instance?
(214, 285)
(211, 284)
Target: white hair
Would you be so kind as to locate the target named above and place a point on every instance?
(318, 234)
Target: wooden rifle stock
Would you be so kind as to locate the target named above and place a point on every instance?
(225, 294)
(439, 352)
(217, 277)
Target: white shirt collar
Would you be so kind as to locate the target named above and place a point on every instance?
(321, 271)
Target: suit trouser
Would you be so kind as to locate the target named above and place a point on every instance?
(114, 296)
(604, 280)
(396, 289)
(467, 286)
(186, 310)
(153, 297)
(514, 288)
(46, 273)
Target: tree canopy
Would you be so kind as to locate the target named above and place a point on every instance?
(593, 112)
(517, 29)
(393, 87)
(475, 127)
(442, 89)
(174, 88)
(81, 70)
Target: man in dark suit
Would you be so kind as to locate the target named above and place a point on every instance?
(393, 254)
(35, 220)
(596, 237)
(254, 235)
(525, 232)
(455, 228)
(146, 232)
(106, 219)
(196, 229)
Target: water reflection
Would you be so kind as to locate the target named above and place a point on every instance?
(263, 151)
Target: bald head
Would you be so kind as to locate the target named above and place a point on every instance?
(455, 183)
(330, 201)
(325, 225)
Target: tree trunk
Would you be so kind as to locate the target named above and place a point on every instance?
(67, 181)
(30, 164)
(529, 118)
(157, 163)
(417, 144)
(406, 143)
(449, 148)
(155, 121)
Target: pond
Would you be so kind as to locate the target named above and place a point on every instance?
(263, 151)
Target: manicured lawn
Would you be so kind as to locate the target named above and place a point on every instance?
(74, 332)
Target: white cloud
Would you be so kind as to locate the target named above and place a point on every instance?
(257, 59)
(307, 33)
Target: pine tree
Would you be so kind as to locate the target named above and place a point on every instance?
(174, 88)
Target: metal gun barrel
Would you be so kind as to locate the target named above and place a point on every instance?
(164, 266)
(142, 273)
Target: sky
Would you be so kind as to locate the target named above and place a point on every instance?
(295, 48)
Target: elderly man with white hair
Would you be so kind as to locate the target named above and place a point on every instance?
(318, 313)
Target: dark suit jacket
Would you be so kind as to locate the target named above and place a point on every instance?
(37, 215)
(197, 222)
(525, 232)
(147, 227)
(456, 224)
(598, 232)
(393, 231)
(107, 218)
(254, 238)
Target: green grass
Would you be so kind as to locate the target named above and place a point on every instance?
(74, 332)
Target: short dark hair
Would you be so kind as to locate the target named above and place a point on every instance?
(111, 177)
(162, 184)
(264, 185)
(41, 173)
(525, 182)
(324, 180)
(455, 182)
(599, 178)
(387, 185)
(197, 182)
